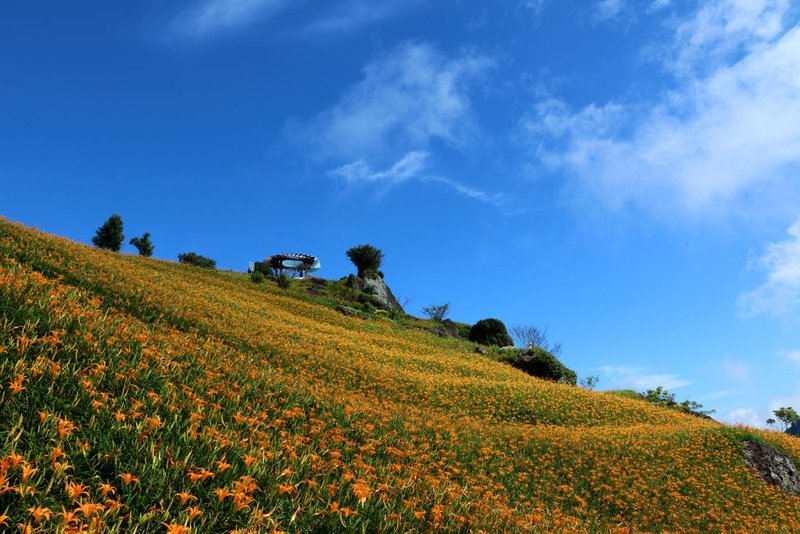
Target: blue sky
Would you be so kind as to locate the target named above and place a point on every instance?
(623, 173)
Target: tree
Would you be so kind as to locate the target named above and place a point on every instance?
(532, 336)
(787, 417)
(437, 312)
(191, 258)
(143, 245)
(662, 397)
(109, 236)
(366, 258)
(590, 382)
(490, 332)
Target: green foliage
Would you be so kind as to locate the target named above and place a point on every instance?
(490, 332)
(109, 236)
(366, 258)
(662, 397)
(590, 382)
(539, 363)
(627, 393)
(787, 417)
(463, 330)
(283, 281)
(257, 277)
(437, 312)
(263, 268)
(143, 245)
(191, 258)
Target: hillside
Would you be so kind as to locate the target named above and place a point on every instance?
(145, 395)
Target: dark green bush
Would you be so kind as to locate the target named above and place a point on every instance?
(539, 363)
(490, 332)
(109, 236)
(191, 258)
(263, 268)
(257, 277)
(283, 281)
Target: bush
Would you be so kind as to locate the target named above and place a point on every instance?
(191, 258)
(109, 236)
(490, 332)
(366, 258)
(257, 277)
(283, 281)
(263, 268)
(539, 363)
(143, 245)
(437, 312)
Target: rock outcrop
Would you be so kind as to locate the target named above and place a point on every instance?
(772, 466)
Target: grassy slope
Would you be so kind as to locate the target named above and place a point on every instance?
(234, 406)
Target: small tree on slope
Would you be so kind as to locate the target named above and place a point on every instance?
(109, 236)
(143, 245)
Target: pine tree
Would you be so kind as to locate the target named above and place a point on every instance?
(110, 236)
(143, 245)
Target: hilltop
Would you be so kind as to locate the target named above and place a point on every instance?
(140, 394)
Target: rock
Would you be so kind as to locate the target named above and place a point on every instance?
(441, 332)
(382, 293)
(450, 327)
(350, 312)
(772, 466)
(481, 350)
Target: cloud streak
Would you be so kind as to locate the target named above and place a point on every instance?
(411, 166)
(638, 379)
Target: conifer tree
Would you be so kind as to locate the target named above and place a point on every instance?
(110, 236)
(143, 245)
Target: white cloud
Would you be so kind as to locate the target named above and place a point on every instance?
(412, 166)
(405, 99)
(724, 27)
(728, 128)
(745, 416)
(780, 292)
(621, 376)
(212, 16)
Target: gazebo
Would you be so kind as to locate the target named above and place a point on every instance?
(293, 264)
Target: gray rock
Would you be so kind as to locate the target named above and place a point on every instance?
(382, 293)
(481, 350)
(350, 312)
(772, 466)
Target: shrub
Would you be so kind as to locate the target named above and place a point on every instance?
(109, 236)
(143, 245)
(490, 332)
(191, 258)
(366, 258)
(283, 281)
(257, 277)
(437, 312)
(263, 268)
(539, 363)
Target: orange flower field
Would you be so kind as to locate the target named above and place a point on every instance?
(143, 395)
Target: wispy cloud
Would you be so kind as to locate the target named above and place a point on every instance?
(405, 99)
(209, 17)
(728, 127)
(412, 166)
(350, 15)
(792, 356)
(607, 9)
(639, 379)
(779, 294)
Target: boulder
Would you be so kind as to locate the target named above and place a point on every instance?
(772, 466)
(377, 287)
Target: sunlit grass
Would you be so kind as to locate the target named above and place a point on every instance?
(142, 394)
